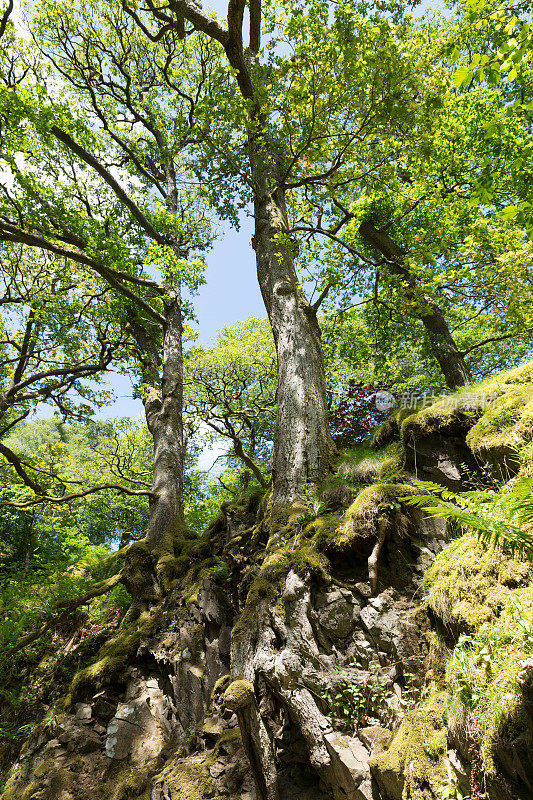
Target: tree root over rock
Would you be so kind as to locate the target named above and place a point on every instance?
(271, 654)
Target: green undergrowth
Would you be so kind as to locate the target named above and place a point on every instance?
(486, 596)
(482, 600)
(32, 679)
(365, 463)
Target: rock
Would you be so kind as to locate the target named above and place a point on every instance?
(217, 769)
(293, 586)
(134, 732)
(349, 773)
(339, 617)
(102, 707)
(375, 736)
(212, 727)
(83, 711)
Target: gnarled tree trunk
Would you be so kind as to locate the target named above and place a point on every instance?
(303, 447)
(146, 570)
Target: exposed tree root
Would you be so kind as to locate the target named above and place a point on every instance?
(240, 698)
(259, 655)
(382, 525)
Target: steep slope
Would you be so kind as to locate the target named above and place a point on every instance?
(316, 650)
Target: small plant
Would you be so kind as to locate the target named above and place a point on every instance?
(190, 733)
(315, 508)
(497, 519)
(220, 569)
(12, 732)
(359, 701)
(451, 790)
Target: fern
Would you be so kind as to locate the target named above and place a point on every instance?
(497, 519)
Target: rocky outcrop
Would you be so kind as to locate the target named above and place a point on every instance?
(168, 725)
(298, 656)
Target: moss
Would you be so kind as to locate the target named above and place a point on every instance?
(363, 464)
(190, 780)
(112, 656)
(413, 765)
(389, 430)
(230, 739)
(219, 687)
(505, 426)
(359, 520)
(497, 413)
(191, 584)
(260, 590)
(305, 559)
(239, 695)
(134, 781)
(468, 582)
(489, 595)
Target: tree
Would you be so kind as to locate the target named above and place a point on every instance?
(81, 465)
(42, 300)
(231, 388)
(278, 155)
(64, 198)
(419, 210)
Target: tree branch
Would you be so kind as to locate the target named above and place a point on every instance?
(9, 232)
(493, 339)
(5, 18)
(255, 26)
(122, 195)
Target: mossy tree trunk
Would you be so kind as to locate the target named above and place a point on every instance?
(163, 401)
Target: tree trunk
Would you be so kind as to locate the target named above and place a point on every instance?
(445, 350)
(303, 447)
(148, 569)
(163, 410)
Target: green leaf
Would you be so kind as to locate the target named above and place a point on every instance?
(462, 76)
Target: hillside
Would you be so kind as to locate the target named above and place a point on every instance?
(348, 646)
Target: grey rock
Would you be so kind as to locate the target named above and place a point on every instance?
(83, 711)
(339, 617)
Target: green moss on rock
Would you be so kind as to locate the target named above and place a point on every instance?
(359, 520)
(112, 656)
(412, 767)
(190, 780)
(239, 695)
(469, 582)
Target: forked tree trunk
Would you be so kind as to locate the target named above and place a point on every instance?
(445, 350)
(303, 447)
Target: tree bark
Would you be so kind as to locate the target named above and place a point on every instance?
(303, 447)
(445, 350)
(163, 409)
(148, 568)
